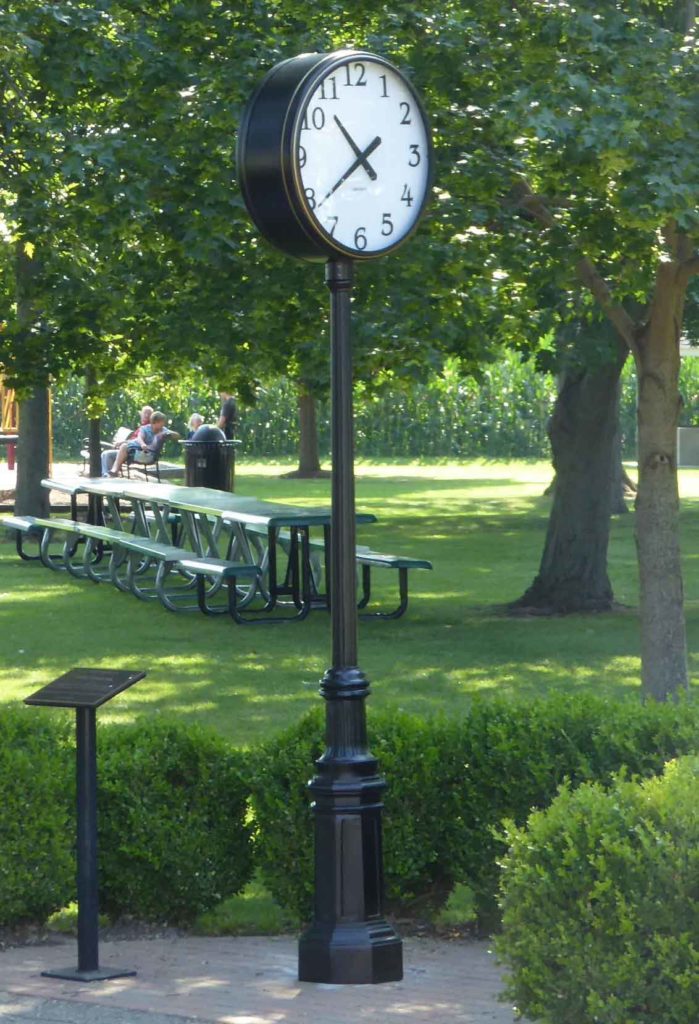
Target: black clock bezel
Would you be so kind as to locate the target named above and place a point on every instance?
(267, 157)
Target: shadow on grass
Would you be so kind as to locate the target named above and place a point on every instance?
(249, 682)
(453, 643)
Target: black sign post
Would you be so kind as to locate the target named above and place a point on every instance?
(86, 689)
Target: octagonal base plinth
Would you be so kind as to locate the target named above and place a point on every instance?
(361, 953)
(100, 974)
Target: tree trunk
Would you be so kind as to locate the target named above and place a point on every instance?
(94, 425)
(94, 446)
(622, 484)
(663, 638)
(94, 502)
(573, 572)
(309, 457)
(31, 499)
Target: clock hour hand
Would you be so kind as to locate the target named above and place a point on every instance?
(355, 148)
(361, 158)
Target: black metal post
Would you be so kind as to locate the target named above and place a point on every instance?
(95, 514)
(88, 968)
(348, 942)
(88, 893)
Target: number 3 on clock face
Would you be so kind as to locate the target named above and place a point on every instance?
(362, 155)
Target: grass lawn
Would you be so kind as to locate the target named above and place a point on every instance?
(482, 524)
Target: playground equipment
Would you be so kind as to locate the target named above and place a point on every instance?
(9, 420)
(9, 423)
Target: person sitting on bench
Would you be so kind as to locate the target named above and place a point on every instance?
(195, 421)
(145, 415)
(150, 439)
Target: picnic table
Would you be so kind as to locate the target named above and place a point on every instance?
(221, 525)
(208, 538)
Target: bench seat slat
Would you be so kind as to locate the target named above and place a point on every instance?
(153, 548)
(217, 567)
(375, 558)
(168, 555)
(131, 541)
(25, 524)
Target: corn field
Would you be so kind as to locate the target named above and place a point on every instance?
(503, 415)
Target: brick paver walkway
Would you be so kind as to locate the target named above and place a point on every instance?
(247, 981)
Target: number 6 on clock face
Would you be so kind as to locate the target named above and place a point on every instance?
(362, 155)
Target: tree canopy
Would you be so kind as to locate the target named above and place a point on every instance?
(566, 180)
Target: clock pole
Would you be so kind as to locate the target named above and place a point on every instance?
(349, 942)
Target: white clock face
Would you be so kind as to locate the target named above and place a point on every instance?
(363, 156)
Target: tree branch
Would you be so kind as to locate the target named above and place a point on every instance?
(626, 327)
(689, 268)
(588, 273)
(678, 242)
(532, 204)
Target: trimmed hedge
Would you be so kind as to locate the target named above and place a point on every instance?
(37, 817)
(175, 825)
(173, 837)
(600, 908)
(173, 804)
(451, 783)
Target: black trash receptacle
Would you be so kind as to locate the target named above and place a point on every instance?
(209, 459)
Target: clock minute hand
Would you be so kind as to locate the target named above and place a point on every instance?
(355, 148)
(352, 168)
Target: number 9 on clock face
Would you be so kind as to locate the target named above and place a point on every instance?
(362, 155)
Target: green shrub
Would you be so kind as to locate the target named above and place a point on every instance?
(416, 756)
(37, 818)
(511, 756)
(408, 750)
(283, 822)
(173, 837)
(600, 908)
(451, 783)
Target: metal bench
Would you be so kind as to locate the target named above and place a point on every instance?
(130, 557)
(375, 560)
(23, 527)
(173, 519)
(121, 435)
(367, 559)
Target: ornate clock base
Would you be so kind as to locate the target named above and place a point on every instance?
(358, 953)
(349, 942)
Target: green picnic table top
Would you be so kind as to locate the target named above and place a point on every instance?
(205, 501)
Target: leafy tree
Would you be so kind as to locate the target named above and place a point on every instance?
(607, 171)
(62, 132)
(568, 137)
(566, 178)
(97, 179)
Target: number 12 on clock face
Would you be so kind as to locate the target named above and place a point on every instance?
(363, 155)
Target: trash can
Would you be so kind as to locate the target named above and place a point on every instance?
(209, 459)
(688, 446)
